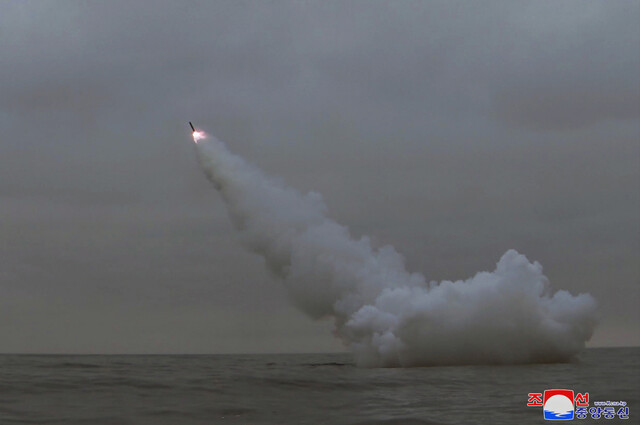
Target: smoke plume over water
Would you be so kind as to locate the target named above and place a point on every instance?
(385, 314)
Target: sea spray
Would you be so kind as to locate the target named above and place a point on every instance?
(386, 315)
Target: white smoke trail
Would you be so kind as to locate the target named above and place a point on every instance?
(384, 314)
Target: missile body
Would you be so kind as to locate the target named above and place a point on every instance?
(192, 126)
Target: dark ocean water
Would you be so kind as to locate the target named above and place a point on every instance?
(296, 389)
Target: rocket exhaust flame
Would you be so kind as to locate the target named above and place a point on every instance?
(386, 315)
(199, 135)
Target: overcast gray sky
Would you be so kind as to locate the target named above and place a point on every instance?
(451, 130)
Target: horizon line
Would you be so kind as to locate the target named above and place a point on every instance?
(222, 354)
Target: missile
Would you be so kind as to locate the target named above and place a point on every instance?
(194, 130)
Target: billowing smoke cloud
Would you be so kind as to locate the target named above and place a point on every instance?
(386, 315)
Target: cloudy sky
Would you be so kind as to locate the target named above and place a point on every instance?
(451, 130)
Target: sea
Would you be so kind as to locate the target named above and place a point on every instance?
(282, 389)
